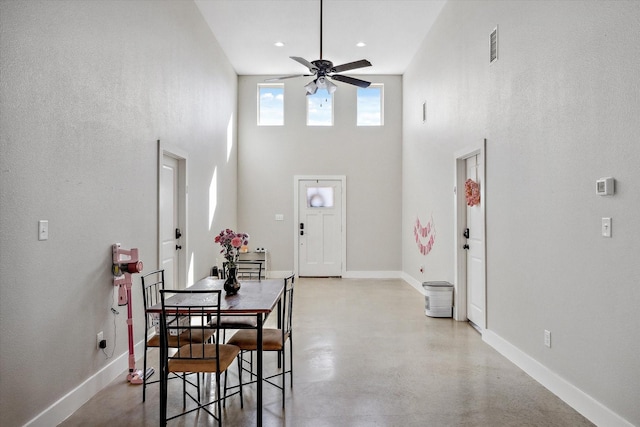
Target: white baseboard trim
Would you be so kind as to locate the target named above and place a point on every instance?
(413, 282)
(271, 274)
(586, 405)
(72, 401)
(372, 275)
(347, 275)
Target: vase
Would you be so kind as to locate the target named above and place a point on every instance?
(231, 284)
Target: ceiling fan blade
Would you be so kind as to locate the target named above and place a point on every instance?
(306, 63)
(275, 79)
(351, 80)
(351, 66)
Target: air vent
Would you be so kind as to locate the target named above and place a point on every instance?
(493, 45)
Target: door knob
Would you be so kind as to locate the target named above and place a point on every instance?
(178, 247)
(466, 233)
(465, 247)
(178, 233)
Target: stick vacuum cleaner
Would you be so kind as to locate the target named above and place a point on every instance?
(125, 263)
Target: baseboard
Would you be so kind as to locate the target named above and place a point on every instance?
(372, 275)
(72, 401)
(586, 405)
(274, 274)
(413, 282)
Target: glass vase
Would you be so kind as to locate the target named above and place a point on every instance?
(231, 284)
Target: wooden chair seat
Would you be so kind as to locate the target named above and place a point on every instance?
(174, 341)
(199, 358)
(247, 339)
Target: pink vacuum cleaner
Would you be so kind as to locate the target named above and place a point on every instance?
(125, 263)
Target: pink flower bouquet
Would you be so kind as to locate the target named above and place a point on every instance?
(231, 243)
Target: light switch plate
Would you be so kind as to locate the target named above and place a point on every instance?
(43, 229)
(606, 227)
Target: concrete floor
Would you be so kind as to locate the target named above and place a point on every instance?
(364, 355)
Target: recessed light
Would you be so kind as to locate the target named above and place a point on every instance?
(361, 44)
(279, 44)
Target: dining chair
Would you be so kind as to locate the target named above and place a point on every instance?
(152, 284)
(248, 270)
(273, 339)
(185, 315)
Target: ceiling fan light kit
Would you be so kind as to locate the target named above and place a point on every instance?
(326, 71)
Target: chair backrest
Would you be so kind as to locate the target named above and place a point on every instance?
(152, 283)
(287, 306)
(186, 315)
(246, 269)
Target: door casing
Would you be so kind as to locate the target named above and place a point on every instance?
(460, 209)
(182, 187)
(343, 215)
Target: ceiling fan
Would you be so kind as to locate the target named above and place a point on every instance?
(326, 71)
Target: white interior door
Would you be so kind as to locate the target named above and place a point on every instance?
(475, 249)
(170, 221)
(320, 228)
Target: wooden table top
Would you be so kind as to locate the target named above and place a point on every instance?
(254, 296)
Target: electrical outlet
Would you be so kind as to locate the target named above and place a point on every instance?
(99, 338)
(547, 338)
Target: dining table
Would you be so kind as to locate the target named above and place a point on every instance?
(255, 298)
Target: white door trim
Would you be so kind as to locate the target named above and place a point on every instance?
(343, 214)
(460, 209)
(183, 191)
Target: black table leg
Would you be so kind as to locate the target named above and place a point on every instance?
(259, 339)
(163, 374)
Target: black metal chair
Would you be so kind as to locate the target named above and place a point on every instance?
(247, 270)
(272, 340)
(152, 284)
(187, 318)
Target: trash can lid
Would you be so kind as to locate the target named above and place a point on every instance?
(437, 284)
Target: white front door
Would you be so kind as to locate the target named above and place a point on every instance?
(320, 228)
(475, 249)
(170, 221)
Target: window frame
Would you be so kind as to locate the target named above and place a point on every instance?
(309, 97)
(379, 86)
(259, 103)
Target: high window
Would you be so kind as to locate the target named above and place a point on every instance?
(370, 105)
(271, 104)
(320, 108)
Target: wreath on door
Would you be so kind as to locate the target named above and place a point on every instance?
(472, 192)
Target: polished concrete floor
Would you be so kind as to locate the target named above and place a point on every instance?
(365, 355)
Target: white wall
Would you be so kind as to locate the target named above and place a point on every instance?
(559, 110)
(87, 88)
(370, 157)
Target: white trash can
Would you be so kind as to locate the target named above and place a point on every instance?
(438, 299)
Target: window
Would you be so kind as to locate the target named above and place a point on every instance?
(320, 197)
(370, 102)
(320, 108)
(271, 104)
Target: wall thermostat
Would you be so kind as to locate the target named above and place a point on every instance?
(605, 186)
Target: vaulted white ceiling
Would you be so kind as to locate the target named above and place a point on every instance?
(248, 29)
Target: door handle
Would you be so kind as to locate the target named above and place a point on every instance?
(466, 233)
(178, 247)
(178, 233)
(466, 247)
(302, 232)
